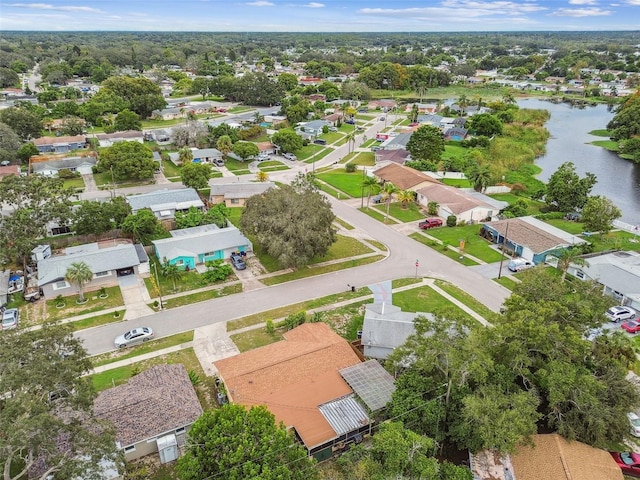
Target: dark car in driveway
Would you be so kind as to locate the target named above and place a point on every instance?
(237, 261)
(430, 223)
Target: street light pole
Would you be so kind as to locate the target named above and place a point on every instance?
(155, 269)
(504, 244)
(363, 177)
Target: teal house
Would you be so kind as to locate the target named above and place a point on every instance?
(194, 246)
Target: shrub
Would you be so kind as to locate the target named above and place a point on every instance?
(350, 167)
(452, 221)
(194, 378)
(270, 327)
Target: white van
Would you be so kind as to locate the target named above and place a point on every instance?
(518, 264)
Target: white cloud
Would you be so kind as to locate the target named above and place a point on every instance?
(581, 12)
(582, 2)
(47, 6)
(633, 2)
(313, 5)
(261, 3)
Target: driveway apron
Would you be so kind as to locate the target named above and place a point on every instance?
(135, 297)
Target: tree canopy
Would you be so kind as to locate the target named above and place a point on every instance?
(24, 122)
(34, 201)
(138, 94)
(99, 217)
(129, 160)
(9, 143)
(238, 444)
(46, 420)
(626, 122)
(599, 213)
(489, 388)
(485, 124)
(196, 175)
(245, 150)
(566, 191)
(143, 226)
(426, 143)
(292, 223)
(287, 139)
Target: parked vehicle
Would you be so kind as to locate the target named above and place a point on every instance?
(382, 119)
(262, 156)
(519, 264)
(430, 223)
(628, 462)
(573, 216)
(617, 314)
(350, 121)
(10, 318)
(375, 148)
(5, 163)
(237, 261)
(632, 326)
(290, 156)
(333, 129)
(376, 198)
(219, 162)
(133, 337)
(320, 141)
(634, 422)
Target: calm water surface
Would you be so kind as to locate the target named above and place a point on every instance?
(618, 179)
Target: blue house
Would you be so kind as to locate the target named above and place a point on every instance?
(528, 237)
(194, 246)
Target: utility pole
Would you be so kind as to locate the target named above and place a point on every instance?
(363, 177)
(155, 269)
(113, 184)
(504, 244)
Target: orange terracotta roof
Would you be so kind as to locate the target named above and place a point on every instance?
(292, 378)
(403, 177)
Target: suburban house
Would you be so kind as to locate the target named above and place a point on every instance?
(550, 458)
(315, 383)
(236, 194)
(267, 148)
(152, 412)
(310, 129)
(189, 247)
(385, 328)
(405, 178)
(206, 155)
(165, 203)
(528, 237)
(617, 272)
(50, 166)
(381, 104)
(105, 263)
(396, 142)
(399, 156)
(465, 205)
(108, 139)
(169, 113)
(60, 144)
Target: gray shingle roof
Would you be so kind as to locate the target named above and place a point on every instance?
(63, 163)
(151, 403)
(99, 260)
(199, 242)
(240, 190)
(207, 153)
(182, 198)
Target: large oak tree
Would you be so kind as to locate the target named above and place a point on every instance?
(291, 223)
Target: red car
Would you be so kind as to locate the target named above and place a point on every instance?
(430, 223)
(628, 462)
(632, 326)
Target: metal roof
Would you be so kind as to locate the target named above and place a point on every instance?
(101, 260)
(371, 382)
(344, 414)
(164, 197)
(200, 242)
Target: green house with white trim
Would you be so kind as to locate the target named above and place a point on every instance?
(190, 247)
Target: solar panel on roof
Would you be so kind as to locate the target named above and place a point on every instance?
(371, 383)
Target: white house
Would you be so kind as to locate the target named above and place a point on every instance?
(165, 203)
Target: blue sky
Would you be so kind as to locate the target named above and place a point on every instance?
(321, 15)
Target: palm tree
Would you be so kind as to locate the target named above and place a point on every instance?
(406, 196)
(432, 208)
(224, 144)
(262, 176)
(388, 190)
(185, 155)
(479, 176)
(79, 273)
(369, 183)
(567, 257)
(171, 271)
(463, 103)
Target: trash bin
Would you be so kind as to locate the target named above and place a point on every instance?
(353, 288)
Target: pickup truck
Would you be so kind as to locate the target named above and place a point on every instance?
(430, 223)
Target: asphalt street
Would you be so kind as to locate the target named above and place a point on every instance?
(400, 263)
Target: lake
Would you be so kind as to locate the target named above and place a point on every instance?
(618, 179)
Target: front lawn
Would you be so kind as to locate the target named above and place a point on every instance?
(305, 272)
(426, 299)
(457, 182)
(312, 153)
(201, 296)
(533, 206)
(189, 280)
(452, 254)
(93, 304)
(170, 169)
(147, 347)
(234, 165)
(349, 183)
(475, 245)
(411, 213)
(364, 158)
(74, 183)
(373, 213)
(98, 320)
(331, 137)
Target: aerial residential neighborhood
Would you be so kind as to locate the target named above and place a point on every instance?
(321, 256)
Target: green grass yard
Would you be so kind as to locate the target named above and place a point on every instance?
(309, 271)
(412, 213)
(475, 245)
(93, 304)
(148, 347)
(364, 158)
(349, 183)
